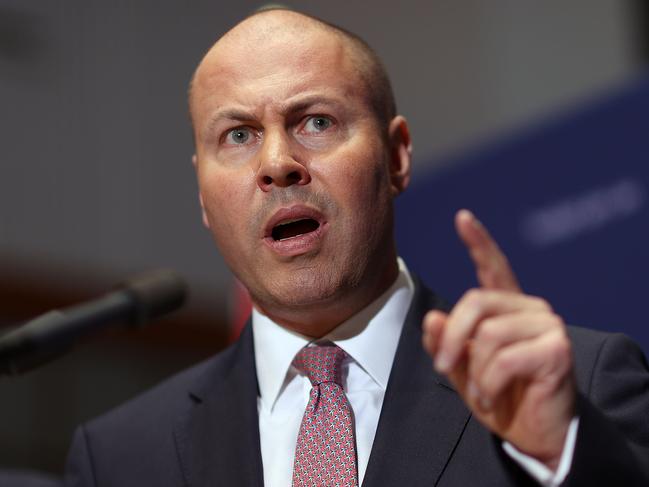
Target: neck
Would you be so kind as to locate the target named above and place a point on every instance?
(315, 320)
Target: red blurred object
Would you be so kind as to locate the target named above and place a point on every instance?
(240, 310)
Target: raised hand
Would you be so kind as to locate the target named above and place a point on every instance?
(506, 353)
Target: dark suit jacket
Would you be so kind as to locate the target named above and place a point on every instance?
(200, 428)
(24, 478)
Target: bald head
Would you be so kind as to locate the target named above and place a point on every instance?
(281, 25)
(294, 124)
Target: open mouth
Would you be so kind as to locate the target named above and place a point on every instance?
(294, 228)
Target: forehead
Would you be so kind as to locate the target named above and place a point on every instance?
(273, 63)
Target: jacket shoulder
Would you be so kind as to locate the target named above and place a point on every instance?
(596, 353)
(152, 413)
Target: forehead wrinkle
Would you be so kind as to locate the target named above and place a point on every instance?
(305, 101)
(229, 114)
(280, 89)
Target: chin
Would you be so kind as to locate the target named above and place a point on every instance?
(308, 287)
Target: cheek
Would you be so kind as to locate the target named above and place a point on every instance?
(225, 200)
(358, 181)
(362, 180)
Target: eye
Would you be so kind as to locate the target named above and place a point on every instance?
(317, 123)
(238, 136)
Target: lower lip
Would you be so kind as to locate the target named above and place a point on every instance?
(298, 245)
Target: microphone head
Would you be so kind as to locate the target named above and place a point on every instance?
(155, 293)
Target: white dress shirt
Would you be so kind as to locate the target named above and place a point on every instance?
(370, 339)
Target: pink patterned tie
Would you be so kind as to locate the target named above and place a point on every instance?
(325, 454)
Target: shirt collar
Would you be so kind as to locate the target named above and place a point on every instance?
(370, 338)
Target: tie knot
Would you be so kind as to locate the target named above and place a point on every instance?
(321, 363)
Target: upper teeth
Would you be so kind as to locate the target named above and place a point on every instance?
(286, 222)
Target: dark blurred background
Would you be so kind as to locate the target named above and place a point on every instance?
(96, 181)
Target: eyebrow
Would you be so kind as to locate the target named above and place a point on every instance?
(307, 101)
(228, 114)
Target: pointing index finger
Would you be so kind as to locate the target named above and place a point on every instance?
(492, 268)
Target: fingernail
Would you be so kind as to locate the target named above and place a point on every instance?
(442, 363)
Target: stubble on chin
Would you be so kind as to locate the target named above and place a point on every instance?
(311, 285)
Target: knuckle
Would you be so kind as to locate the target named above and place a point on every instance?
(489, 331)
(473, 297)
(542, 303)
(504, 362)
(563, 345)
(555, 320)
(560, 349)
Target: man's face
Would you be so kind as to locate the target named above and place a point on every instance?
(293, 170)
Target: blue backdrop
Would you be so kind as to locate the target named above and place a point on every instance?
(567, 200)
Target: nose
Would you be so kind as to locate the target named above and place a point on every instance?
(278, 166)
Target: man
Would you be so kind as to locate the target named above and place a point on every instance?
(299, 155)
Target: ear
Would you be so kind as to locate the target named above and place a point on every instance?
(400, 154)
(206, 223)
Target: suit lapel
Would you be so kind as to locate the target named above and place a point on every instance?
(421, 421)
(217, 439)
(422, 417)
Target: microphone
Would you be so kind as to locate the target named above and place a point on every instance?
(134, 302)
